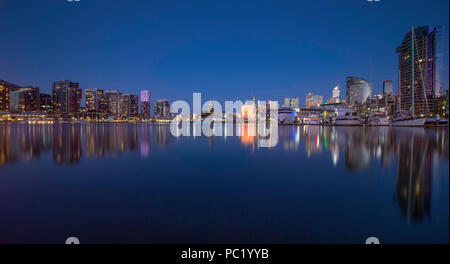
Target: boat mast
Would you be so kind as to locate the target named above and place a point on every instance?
(412, 62)
(399, 106)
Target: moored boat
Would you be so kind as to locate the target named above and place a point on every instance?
(346, 117)
(406, 120)
(286, 116)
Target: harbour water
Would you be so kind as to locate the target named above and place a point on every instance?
(136, 183)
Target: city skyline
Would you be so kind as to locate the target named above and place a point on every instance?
(208, 63)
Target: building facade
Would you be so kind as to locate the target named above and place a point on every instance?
(46, 103)
(5, 88)
(291, 102)
(425, 66)
(66, 97)
(25, 99)
(145, 104)
(336, 98)
(337, 92)
(358, 90)
(134, 105)
(112, 98)
(388, 87)
(95, 100)
(162, 108)
(313, 100)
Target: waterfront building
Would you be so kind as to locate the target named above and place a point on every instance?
(428, 69)
(388, 87)
(134, 105)
(313, 100)
(376, 103)
(145, 104)
(358, 90)
(5, 88)
(24, 99)
(128, 105)
(14, 102)
(66, 97)
(392, 104)
(295, 102)
(46, 103)
(112, 98)
(442, 105)
(95, 100)
(291, 102)
(336, 96)
(162, 108)
(124, 105)
(337, 93)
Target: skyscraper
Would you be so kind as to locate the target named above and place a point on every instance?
(46, 102)
(336, 96)
(295, 102)
(66, 97)
(313, 100)
(145, 104)
(124, 105)
(94, 98)
(162, 108)
(24, 99)
(134, 105)
(5, 88)
(428, 69)
(112, 98)
(291, 102)
(358, 90)
(388, 87)
(337, 92)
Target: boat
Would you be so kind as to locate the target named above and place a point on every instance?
(378, 119)
(442, 122)
(286, 116)
(313, 120)
(436, 121)
(405, 119)
(346, 117)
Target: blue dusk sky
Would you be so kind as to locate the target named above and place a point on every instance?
(226, 50)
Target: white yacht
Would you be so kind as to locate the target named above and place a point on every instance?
(405, 119)
(378, 119)
(346, 117)
(313, 119)
(286, 116)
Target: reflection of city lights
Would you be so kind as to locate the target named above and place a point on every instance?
(378, 152)
(335, 156)
(247, 133)
(145, 149)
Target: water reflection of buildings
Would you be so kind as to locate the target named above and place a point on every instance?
(414, 174)
(417, 153)
(162, 135)
(255, 135)
(23, 142)
(65, 141)
(110, 139)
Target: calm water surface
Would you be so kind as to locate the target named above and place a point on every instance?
(136, 183)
